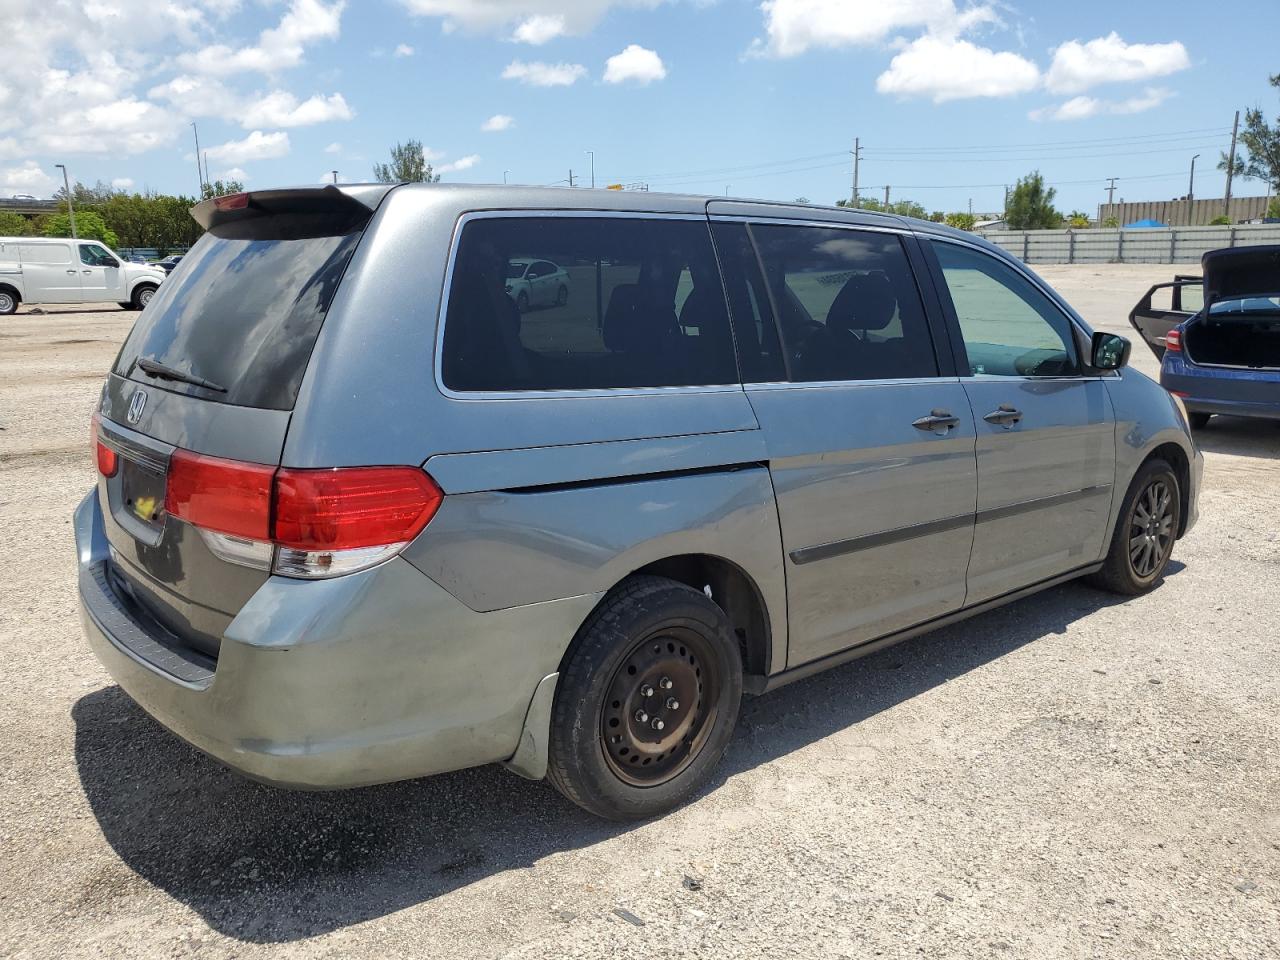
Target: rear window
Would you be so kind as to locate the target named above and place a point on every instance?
(606, 303)
(243, 312)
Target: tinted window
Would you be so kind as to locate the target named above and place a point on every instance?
(847, 304)
(755, 333)
(244, 313)
(96, 256)
(1010, 328)
(628, 302)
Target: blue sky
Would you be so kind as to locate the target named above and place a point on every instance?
(950, 99)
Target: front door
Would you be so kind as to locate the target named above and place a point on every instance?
(101, 276)
(871, 450)
(1046, 432)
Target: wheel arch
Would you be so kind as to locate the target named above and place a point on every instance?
(1173, 454)
(11, 288)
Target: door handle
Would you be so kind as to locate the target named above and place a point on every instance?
(1005, 415)
(86, 272)
(937, 420)
(72, 272)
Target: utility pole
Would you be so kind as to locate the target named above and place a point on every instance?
(886, 198)
(1005, 210)
(199, 169)
(206, 166)
(1111, 191)
(571, 176)
(971, 206)
(71, 210)
(1191, 189)
(857, 155)
(335, 178)
(1231, 165)
(592, 155)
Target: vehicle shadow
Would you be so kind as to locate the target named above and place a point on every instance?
(270, 866)
(1241, 436)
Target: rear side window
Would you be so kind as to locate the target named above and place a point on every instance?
(44, 252)
(847, 304)
(243, 313)
(585, 303)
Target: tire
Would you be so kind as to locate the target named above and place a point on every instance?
(562, 296)
(1198, 421)
(142, 296)
(8, 302)
(1135, 562)
(125, 305)
(651, 644)
(522, 302)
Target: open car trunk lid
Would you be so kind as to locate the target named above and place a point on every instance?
(213, 366)
(1239, 326)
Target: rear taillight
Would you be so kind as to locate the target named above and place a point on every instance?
(108, 460)
(1173, 341)
(313, 523)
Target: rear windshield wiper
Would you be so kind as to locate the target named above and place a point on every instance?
(157, 369)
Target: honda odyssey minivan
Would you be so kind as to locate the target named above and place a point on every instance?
(358, 518)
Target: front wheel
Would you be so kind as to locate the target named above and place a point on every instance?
(562, 295)
(647, 701)
(142, 296)
(1142, 541)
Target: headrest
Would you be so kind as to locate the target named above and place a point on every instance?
(632, 323)
(865, 302)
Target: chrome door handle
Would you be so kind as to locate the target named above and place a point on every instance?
(1005, 416)
(72, 272)
(937, 420)
(86, 272)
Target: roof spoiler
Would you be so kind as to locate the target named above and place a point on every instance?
(350, 205)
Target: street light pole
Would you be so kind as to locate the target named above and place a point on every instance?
(71, 208)
(504, 175)
(199, 170)
(1191, 189)
(592, 155)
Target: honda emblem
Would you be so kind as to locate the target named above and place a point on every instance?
(137, 403)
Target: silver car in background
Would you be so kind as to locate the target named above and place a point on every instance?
(359, 519)
(536, 283)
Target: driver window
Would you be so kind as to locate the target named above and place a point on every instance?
(1010, 329)
(95, 256)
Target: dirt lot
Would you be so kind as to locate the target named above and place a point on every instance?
(1070, 776)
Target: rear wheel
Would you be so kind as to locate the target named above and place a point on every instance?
(562, 295)
(8, 302)
(1142, 542)
(142, 296)
(1198, 421)
(647, 701)
(522, 302)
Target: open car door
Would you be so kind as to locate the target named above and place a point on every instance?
(1165, 306)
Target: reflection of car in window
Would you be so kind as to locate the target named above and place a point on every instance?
(536, 283)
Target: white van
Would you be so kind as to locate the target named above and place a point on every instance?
(42, 270)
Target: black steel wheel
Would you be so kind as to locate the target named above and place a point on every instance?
(647, 700)
(1142, 542)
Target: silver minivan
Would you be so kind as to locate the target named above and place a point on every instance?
(358, 518)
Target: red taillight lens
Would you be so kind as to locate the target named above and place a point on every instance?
(347, 508)
(223, 495)
(232, 201)
(1173, 342)
(108, 460)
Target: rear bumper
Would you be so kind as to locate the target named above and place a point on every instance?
(369, 678)
(1234, 408)
(1240, 393)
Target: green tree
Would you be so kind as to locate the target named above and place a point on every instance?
(14, 224)
(408, 165)
(1078, 221)
(1273, 208)
(89, 226)
(1030, 205)
(961, 221)
(1111, 222)
(1220, 221)
(903, 208)
(1261, 142)
(220, 188)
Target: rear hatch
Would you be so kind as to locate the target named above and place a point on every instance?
(1239, 326)
(212, 369)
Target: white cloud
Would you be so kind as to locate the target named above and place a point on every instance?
(122, 183)
(575, 16)
(952, 69)
(198, 96)
(278, 48)
(462, 163)
(635, 64)
(497, 123)
(29, 179)
(403, 50)
(1078, 66)
(1082, 107)
(334, 147)
(794, 26)
(256, 146)
(280, 108)
(538, 29)
(539, 74)
(234, 173)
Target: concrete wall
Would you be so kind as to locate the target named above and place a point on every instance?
(1156, 245)
(1174, 212)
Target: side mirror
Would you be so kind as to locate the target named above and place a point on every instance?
(1109, 351)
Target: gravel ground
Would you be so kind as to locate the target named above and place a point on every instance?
(1070, 776)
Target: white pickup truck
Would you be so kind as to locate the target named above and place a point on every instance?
(42, 270)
